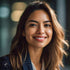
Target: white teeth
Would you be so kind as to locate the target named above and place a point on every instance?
(39, 38)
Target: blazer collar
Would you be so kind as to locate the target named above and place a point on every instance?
(27, 63)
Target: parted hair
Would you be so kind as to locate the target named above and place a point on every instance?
(52, 53)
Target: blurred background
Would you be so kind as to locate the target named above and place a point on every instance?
(10, 12)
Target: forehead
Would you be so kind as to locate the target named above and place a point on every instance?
(39, 15)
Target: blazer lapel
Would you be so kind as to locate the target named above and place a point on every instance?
(27, 64)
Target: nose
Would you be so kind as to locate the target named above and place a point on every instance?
(40, 29)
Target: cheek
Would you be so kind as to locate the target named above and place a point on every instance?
(50, 32)
(30, 31)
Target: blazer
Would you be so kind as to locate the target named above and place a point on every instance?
(6, 65)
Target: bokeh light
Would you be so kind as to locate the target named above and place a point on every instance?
(16, 15)
(19, 6)
(17, 9)
(4, 11)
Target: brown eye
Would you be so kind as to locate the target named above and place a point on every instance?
(47, 25)
(32, 25)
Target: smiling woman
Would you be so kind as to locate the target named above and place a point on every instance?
(38, 31)
(38, 43)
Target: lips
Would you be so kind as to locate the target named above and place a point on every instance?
(40, 38)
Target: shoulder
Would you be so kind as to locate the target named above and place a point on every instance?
(5, 63)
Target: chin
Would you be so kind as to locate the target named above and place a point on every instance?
(40, 46)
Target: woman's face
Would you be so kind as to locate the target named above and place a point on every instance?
(38, 29)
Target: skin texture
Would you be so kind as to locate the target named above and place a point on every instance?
(38, 26)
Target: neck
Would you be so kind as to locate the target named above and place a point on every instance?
(35, 54)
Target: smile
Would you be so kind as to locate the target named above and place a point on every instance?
(40, 38)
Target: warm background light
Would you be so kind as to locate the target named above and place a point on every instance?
(17, 9)
(16, 15)
(19, 6)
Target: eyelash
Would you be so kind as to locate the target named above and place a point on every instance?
(45, 25)
(33, 25)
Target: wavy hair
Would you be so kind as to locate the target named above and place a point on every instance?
(52, 54)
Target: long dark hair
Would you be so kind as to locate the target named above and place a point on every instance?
(52, 54)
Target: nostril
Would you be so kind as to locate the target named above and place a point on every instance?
(40, 31)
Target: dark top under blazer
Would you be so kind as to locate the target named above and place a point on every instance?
(6, 65)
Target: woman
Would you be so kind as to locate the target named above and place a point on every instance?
(38, 43)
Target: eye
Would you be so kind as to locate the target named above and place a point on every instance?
(47, 25)
(33, 25)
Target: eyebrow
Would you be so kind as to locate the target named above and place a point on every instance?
(47, 21)
(33, 21)
(38, 22)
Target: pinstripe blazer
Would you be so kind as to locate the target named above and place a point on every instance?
(6, 65)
